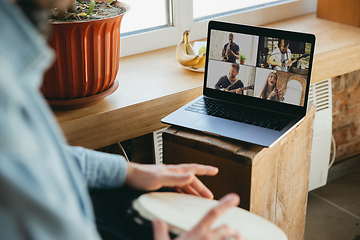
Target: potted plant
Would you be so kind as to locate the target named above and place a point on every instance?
(242, 58)
(87, 55)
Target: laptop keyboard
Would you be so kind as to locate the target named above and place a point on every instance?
(246, 115)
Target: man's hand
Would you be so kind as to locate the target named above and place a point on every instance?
(230, 52)
(239, 91)
(180, 177)
(289, 63)
(280, 64)
(202, 229)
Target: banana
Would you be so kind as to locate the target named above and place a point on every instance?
(189, 48)
(185, 59)
(185, 54)
(201, 62)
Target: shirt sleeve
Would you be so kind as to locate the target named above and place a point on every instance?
(239, 84)
(220, 83)
(225, 46)
(100, 170)
(237, 48)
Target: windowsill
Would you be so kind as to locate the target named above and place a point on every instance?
(153, 84)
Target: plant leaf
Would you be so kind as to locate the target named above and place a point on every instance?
(92, 6)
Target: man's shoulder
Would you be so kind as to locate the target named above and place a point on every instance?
(239, 83)
(236, 46)
(224, 77)
(277, 50)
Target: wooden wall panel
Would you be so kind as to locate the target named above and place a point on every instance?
(347, 12)
(231, 177)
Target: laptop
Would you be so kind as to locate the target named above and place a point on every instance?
(256, 84)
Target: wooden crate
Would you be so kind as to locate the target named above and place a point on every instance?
(347, 12)
(272, 182)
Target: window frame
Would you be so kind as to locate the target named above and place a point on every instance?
(182, 18)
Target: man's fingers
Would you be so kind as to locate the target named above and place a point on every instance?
(176, 180)
(190, 190)
(196, 169)
(160, 230)
(228, 201)
(225, 232)
(201, 189)
(196, 188)
(179, 190)
(190, 185)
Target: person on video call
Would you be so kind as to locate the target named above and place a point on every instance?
(231, 50)
(44, 182)
(231, 83)
(270, 91)
(280, 58)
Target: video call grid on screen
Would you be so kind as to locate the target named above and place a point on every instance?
(259, 74)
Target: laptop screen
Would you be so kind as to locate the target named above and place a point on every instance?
(269, 65)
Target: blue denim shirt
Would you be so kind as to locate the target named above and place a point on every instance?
(43, 181)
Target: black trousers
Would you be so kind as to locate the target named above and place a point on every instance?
(115, 216)
(112, 220)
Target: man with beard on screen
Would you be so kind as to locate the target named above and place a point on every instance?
(230, 83)
(231, 51)
(280, 58)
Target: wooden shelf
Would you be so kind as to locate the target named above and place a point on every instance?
(153, 84)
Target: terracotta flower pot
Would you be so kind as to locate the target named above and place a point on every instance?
(87, 62)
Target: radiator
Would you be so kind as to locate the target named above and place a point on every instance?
(158, 146)
(320, 94)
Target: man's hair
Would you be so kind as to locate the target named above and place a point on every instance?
(286, 42)
(38, 16)
(236, 66)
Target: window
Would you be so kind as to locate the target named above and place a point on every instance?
(204, 10)
(146, 16)
(151, 25)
